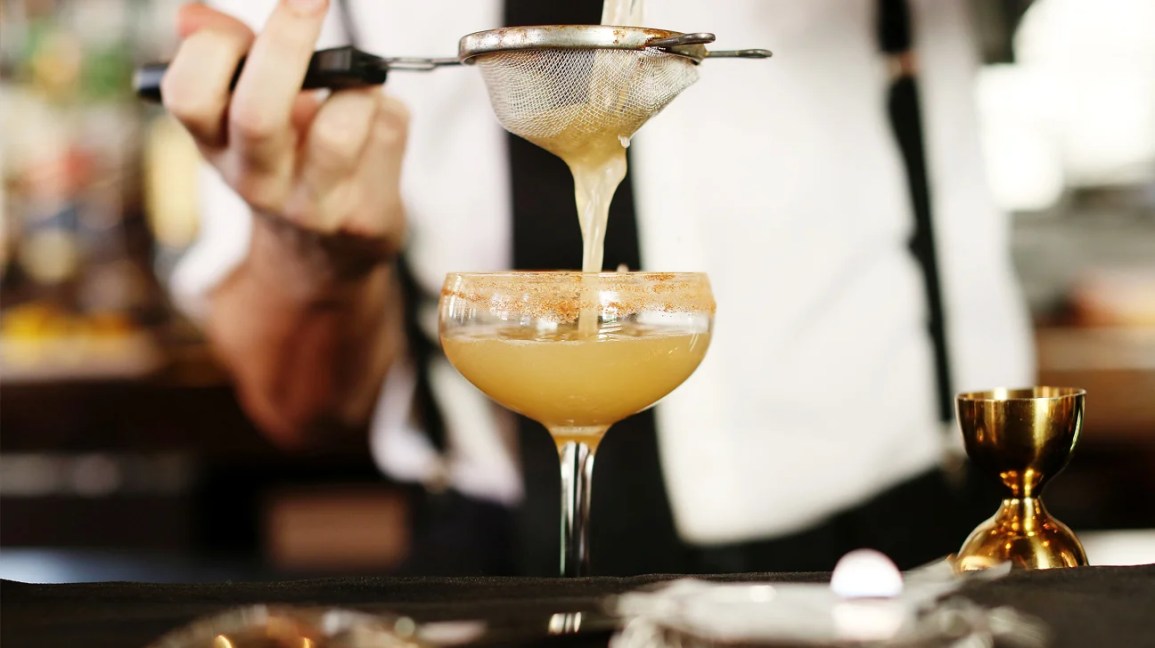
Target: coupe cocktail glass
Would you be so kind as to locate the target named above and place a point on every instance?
(576, 352)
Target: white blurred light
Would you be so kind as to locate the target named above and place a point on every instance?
(1122, 547)
(1100, 59)
(28, 475)
(866, 573)
(1024, 164)
(95, 475)
(1078, 107)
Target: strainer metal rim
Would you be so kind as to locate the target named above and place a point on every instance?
(507, 39)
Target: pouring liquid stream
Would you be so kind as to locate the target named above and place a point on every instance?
(597, 160)
(598, 165)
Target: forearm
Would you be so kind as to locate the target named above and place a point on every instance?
(311, 320)
(308, 326)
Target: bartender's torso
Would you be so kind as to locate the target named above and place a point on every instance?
(781, 180)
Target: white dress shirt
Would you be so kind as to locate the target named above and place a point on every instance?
(778, 178)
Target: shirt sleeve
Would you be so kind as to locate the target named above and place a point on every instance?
(226, 224)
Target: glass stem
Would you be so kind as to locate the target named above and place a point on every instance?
(577, 468)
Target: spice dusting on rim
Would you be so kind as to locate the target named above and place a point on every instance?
(561, 295)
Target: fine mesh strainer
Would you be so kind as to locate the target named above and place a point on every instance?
(544, 80)
(579, 81)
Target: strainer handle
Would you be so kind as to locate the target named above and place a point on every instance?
(742, 53)
(690, 45)
(337, 68)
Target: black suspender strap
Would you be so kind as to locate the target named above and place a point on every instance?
(895, 40)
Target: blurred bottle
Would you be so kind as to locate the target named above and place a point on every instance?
(171, 163)
(76, 250)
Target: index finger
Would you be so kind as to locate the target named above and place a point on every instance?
(262, 103)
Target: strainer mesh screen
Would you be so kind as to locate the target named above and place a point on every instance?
(541, 94)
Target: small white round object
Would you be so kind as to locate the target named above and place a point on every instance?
(866, 573)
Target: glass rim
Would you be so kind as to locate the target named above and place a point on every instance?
(546, 274)
(1010, 394)
(571, 291)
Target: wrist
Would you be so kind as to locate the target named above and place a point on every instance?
(317, 266)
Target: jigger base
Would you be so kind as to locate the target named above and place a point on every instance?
(1024, 534)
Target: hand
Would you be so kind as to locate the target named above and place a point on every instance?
(328, 166)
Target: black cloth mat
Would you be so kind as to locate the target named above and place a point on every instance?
(1090, 606)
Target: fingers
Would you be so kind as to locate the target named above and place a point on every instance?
(379, 172)
(350, 165)
(387, 142)
(336, 139)
(261, 112)
(196, 85)
(305, 108)
(331, 165)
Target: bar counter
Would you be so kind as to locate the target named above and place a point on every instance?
(1089, 606)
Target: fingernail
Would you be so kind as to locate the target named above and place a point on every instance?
(307, 6)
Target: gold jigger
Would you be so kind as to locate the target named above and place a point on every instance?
(1025, 436)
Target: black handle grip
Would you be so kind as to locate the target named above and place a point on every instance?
(337, 69)
(147, 79)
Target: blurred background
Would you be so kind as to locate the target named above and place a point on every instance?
(123, 454)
